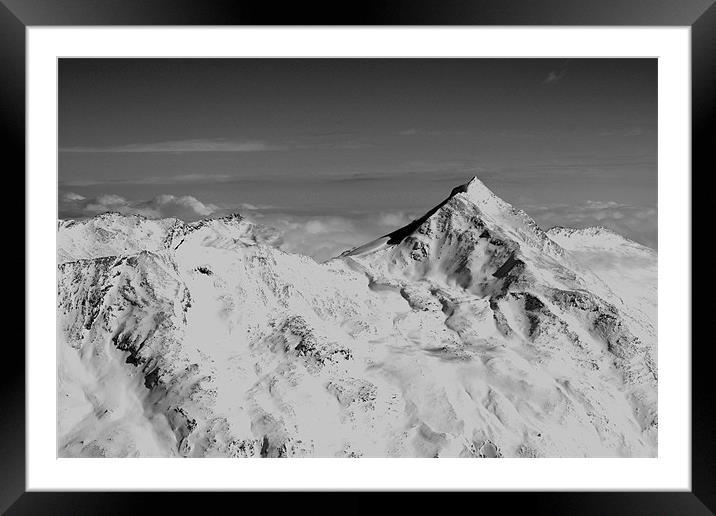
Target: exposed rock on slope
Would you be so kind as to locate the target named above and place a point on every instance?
(470, 332)
(112, 234)
(628, 268)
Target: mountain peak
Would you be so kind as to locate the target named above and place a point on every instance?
(474, 192)
(470, 208)
(473, 186)
(477, 192)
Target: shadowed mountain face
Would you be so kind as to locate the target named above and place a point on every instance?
(399, 235)
(470, 332)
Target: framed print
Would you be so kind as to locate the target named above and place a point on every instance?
(374, 251)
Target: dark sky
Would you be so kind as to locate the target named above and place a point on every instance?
(294, 141)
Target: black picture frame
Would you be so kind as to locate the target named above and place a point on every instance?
(17, 15)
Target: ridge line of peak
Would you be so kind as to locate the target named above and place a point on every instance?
(395, 237)
(400, 234)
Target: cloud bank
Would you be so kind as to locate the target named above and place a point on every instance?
(324, 237)
(197, 145)
(183, 207)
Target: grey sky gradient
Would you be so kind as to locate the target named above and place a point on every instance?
(357, 141)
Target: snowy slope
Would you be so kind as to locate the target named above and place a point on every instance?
(628, 268)
(468, 333)
(112, 234)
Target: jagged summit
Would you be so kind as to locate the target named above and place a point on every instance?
(465, 187)
(229, 217)
(589, 230)
(586, 232)
(470, 208)
(473, 188)
(476, 190)
(116, 215)
(106, 217)
(115, 234)
(479, 194)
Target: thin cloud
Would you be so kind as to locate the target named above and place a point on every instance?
(180, 146)
(155, 180)
(72, 197)
(327, 236)
(425, 132)
(632, 131)
(219, 145)
(424, 170)
(345, 145)
(554, 76)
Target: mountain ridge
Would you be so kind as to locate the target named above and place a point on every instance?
(473, 334)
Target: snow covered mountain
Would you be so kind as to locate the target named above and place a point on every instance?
(470, 332)
(113, 234)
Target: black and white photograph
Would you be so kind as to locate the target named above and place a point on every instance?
(357, 257)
